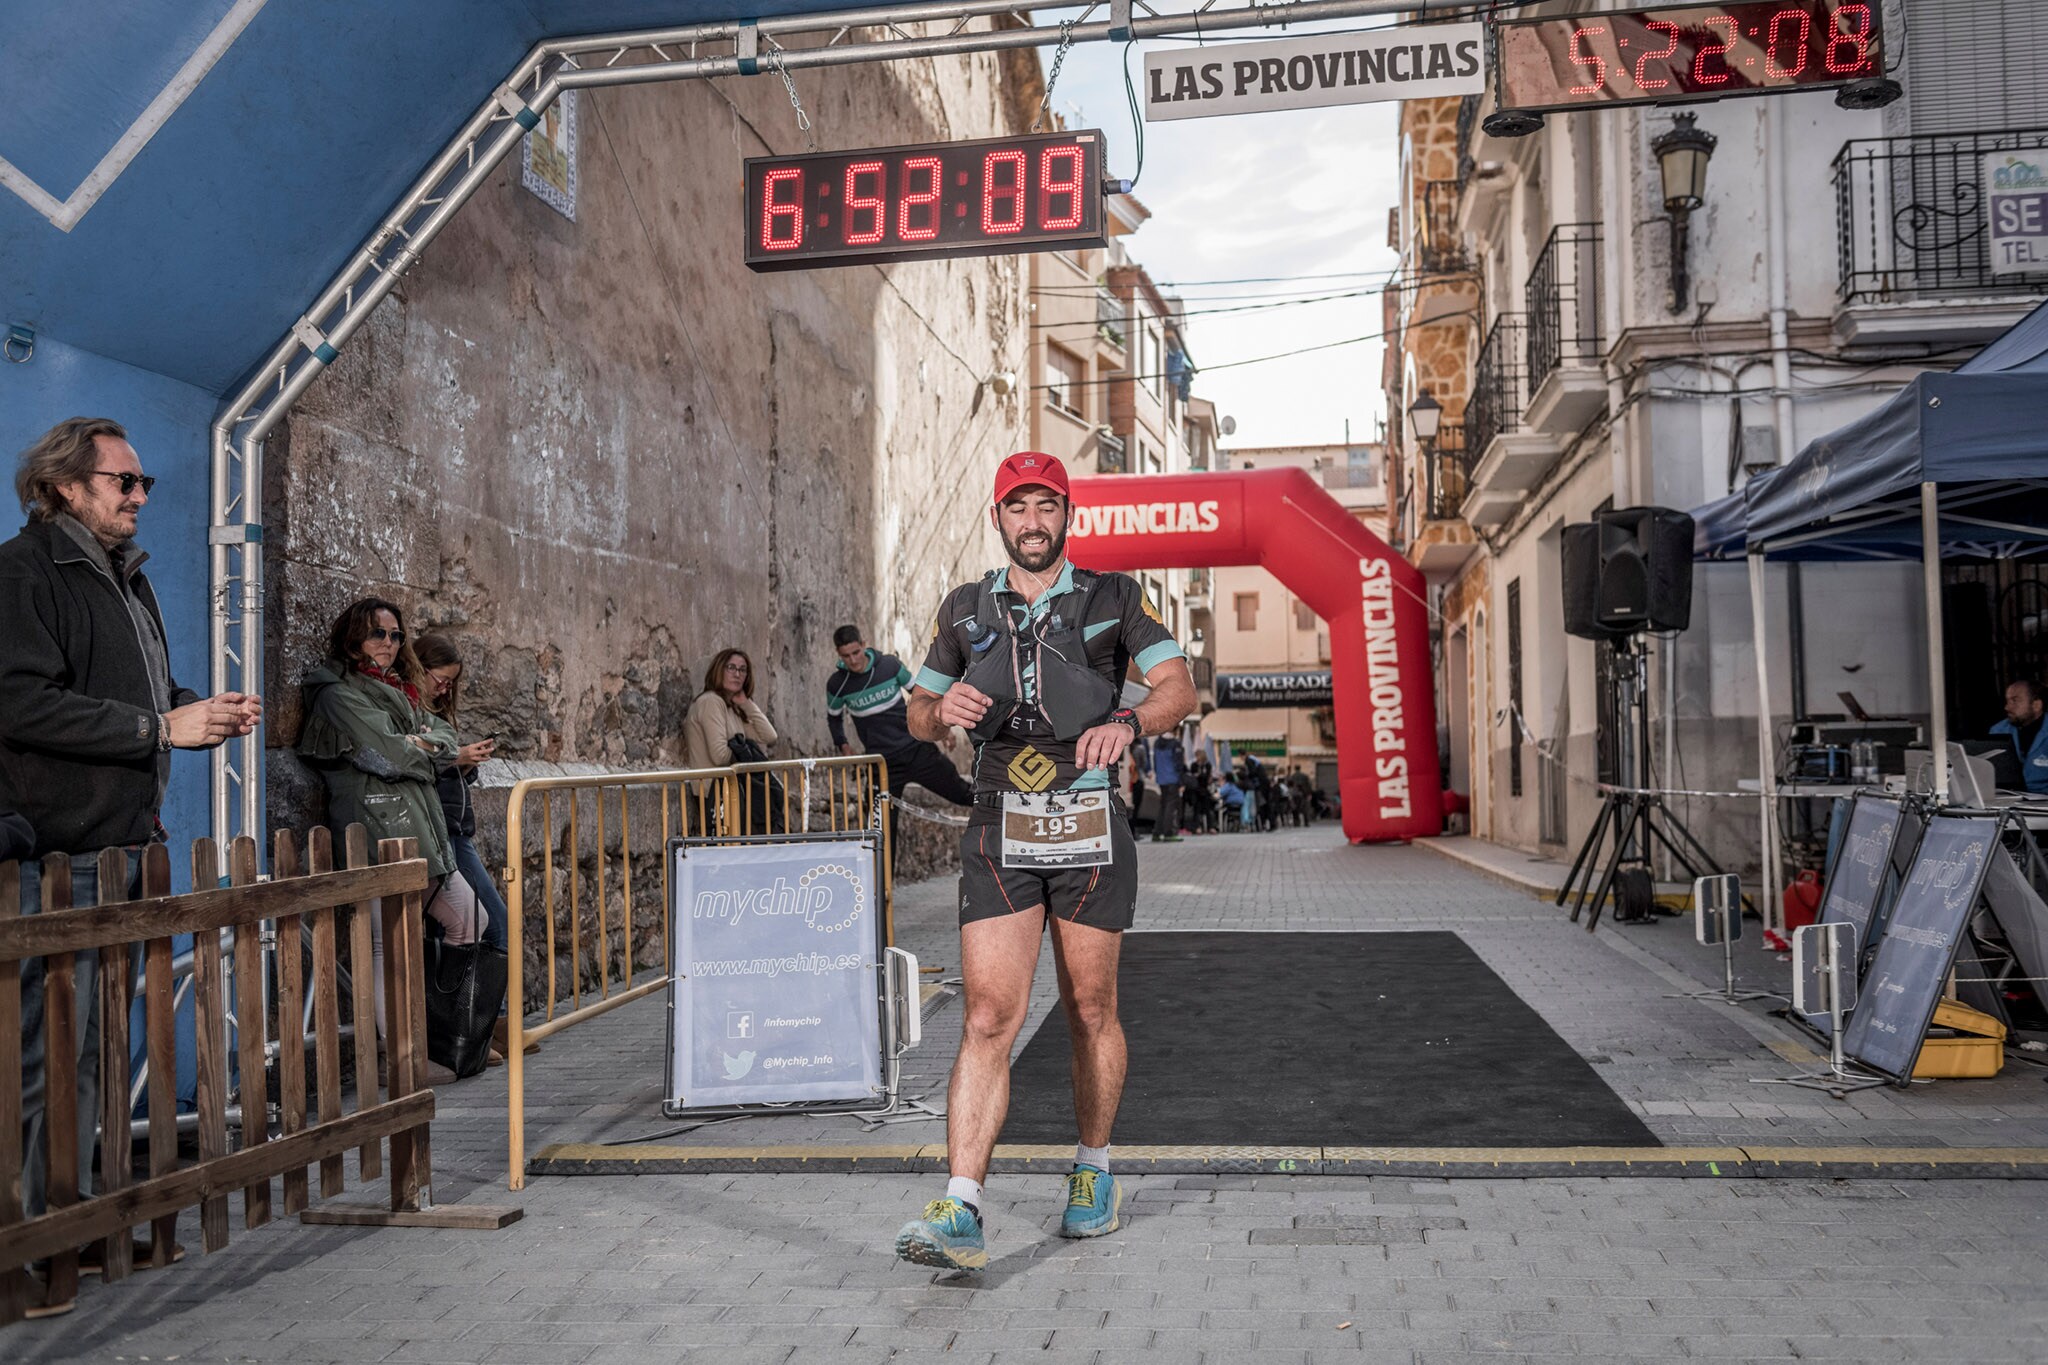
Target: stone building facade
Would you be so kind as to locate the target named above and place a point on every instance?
(599, 450)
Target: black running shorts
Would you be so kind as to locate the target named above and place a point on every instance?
(1104, 897)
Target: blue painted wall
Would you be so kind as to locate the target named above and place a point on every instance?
(167, 421)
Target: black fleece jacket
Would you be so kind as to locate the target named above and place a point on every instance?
(78, 721)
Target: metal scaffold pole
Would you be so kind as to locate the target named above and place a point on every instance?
(744, 47)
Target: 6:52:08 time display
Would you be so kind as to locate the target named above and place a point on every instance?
(1687, 52)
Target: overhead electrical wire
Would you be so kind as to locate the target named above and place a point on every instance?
(1123, 376)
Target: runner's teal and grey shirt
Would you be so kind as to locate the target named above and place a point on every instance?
(1120, 628)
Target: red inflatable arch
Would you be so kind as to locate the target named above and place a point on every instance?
(1373, 600)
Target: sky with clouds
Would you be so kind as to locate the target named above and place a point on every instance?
(1291, 193)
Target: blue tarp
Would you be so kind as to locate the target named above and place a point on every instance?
(1981, 432)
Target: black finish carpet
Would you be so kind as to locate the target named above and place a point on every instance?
(1304, 1039)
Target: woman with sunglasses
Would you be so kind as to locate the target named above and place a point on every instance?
(380, 750)
(724, 712)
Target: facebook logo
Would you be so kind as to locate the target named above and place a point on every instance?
(739, 1023)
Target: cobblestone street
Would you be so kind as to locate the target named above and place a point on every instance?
(1219, 1268)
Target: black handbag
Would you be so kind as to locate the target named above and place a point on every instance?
(465, 986)
(764, 791)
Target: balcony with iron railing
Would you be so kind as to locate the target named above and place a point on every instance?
(1566, 382)
(1914, 236)
(1112, 318)
(1112, 455)
(1507, 456)
(1446, 474)
(1468, 129)
(1440, 246)
(1500, 388)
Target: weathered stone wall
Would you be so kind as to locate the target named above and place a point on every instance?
(598, 451)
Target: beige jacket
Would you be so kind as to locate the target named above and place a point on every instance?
(711, 722)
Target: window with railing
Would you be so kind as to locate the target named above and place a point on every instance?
(1500, 385)
(1911, 220)
(1563, 295)
(1446, 474)
(1112, 318)
(1436, 228)
(1111, 455)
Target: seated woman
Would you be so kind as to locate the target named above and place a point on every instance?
(379, 749)
(724, 710)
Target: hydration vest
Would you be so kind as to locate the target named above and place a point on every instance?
(1072, 697)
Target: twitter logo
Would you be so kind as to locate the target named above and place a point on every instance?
(736, 1067)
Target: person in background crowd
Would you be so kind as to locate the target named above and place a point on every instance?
(370, 736)
(725, 711)
(1199, 792)
(1250, 814)
(1139, 756)
(2024, 706)
(89, 714)
(870, 687)
(1168, 762)
(442, 663)
(1232, 798)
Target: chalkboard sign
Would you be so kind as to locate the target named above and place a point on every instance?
(775, 992)
(1862, 865)
(1927, 923)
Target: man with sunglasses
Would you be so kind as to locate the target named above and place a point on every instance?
(89, 711)
(1031, 661)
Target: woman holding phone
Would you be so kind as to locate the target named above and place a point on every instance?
(457, 774)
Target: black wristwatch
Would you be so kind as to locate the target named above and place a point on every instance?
(1126, 716)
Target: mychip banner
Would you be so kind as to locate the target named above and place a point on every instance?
(775, 994)
(1416, 61)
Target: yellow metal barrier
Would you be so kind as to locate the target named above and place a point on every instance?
(823, 795)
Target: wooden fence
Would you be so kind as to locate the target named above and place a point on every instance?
(315, 909)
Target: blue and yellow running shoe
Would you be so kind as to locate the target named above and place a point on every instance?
(948, 1237)
(1093, 1198)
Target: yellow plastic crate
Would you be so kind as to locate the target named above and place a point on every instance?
(1976, 1051)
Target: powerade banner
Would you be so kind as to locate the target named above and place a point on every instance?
(1421, 61)
(776, 992)
(1273, 689)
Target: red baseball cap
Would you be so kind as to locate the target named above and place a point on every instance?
(1029, 467)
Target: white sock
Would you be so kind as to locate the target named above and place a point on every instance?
(966, 1191)
(1098, 1157)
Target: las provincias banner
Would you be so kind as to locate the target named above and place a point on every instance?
(1420, 61)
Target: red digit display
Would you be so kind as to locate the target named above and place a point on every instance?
(1670, 31)
(782, 213)
(1056, 186)
(1002, 192)
(1673, 53)
(989, 197)
(1595, 69)
(862, 220)
(917, 210)
(1702, 73)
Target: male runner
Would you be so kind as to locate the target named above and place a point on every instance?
(1030, 660)
(871, 687)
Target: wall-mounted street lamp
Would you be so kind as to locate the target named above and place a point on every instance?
(1683, 151)
(1425, 414)
(1198, 645)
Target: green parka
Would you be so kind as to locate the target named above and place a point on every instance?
(358, 736)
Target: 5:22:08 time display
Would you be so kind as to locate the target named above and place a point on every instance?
(1687, 52)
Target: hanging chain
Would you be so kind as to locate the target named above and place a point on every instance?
(1053, 77)
(803, 120)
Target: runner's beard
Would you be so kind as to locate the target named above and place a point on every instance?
(1040, 561)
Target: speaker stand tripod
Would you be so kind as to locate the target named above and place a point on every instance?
(1634, 818)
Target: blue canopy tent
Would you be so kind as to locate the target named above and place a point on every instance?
(1954, 465)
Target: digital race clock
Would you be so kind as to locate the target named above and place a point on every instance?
(1675, 53)
(988, 198)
